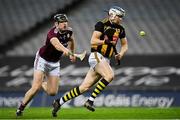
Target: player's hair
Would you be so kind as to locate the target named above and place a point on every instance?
(60, 18)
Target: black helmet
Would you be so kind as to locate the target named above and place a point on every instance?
(60, 18)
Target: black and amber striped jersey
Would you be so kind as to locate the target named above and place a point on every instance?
(107, 50)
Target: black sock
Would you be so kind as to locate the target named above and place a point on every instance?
(22, 106)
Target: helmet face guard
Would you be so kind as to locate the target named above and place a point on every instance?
(116, 11)
(60, 18)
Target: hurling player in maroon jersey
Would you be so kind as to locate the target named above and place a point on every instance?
(47, 61)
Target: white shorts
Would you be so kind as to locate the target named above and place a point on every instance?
(50, 68)
(95, 58)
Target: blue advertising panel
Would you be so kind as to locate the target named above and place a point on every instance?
(163, 99)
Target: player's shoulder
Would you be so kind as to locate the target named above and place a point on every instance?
(53, 31)
(105, 20)
(69, 29)
(121, 26)
(102, 21)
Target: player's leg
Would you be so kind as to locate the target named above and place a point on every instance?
(90, 80)
(38, 76)
(104, 69)
(52, 89)
(36, 85)
(44, 86)
(52, 85)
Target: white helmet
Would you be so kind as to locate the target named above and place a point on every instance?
(116, 11)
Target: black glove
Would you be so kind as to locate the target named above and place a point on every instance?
(108, 35)
(106, 40)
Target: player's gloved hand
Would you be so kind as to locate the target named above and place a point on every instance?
(66, 52)
(107, 40)
(110, 40)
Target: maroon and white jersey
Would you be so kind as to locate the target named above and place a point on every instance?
(48, 51)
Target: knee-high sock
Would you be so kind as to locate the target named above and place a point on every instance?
(99, 88)
(21, 106)
(70, 95)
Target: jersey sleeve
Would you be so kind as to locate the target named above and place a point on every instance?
(70, 33)
(122, 34)
(99, 27)
(51, 34)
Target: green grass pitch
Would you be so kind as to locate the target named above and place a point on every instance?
(100, 113)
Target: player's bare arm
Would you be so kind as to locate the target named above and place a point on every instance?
(95, 39)
(124, 48)
(71, 46)
(55, 42)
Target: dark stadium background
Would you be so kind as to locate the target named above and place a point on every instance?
(149, 74)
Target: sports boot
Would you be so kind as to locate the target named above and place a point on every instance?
(56, 107)
(89, 105)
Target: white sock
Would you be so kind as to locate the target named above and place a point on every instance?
(91, 99)
(61, 102)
